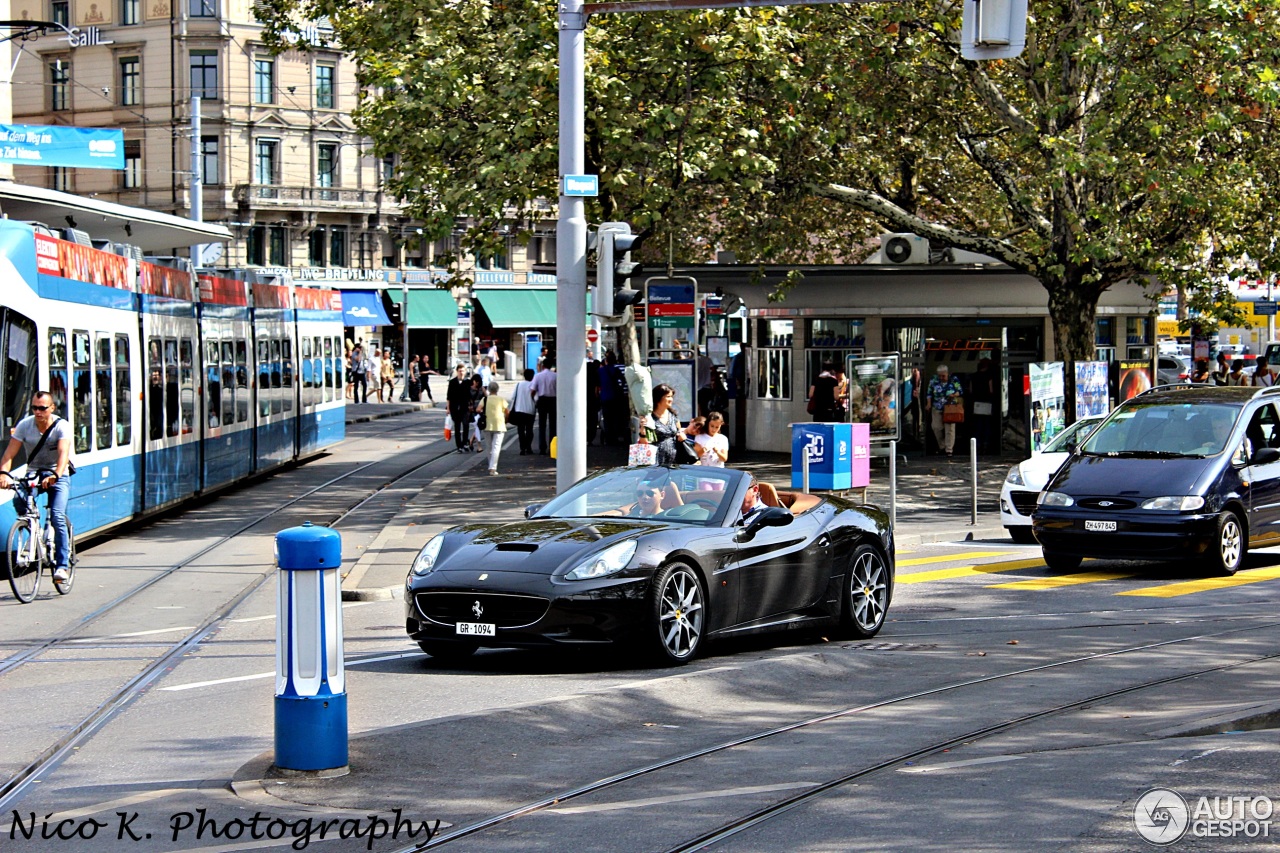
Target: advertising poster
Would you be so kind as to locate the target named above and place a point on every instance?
(1093, 384)
(1135, 377)
(1048, 403)
(873, 393)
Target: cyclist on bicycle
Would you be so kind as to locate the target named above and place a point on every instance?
(52, 460)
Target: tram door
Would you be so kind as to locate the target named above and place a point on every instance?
(171, 456)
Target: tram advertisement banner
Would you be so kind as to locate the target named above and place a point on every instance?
(72, 147)
(873, 393)
(82, 263)
(1133, 378)
(1048, 407)
(1093, 382)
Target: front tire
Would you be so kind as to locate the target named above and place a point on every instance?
(867, 592)
(442, 650)
(677, 615)
(1060, 562)
(1022, 534)
(1229, 545)
(24, 573)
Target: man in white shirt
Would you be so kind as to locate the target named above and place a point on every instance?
(484, 371)
(544, 392)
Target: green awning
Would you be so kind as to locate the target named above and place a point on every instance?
(519, 308)
(430, 308)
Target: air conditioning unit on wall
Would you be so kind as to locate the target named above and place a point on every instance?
(904, 249)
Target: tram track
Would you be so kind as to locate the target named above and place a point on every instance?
(734, 827)
(15, 786)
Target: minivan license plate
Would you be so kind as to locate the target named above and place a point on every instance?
(476, 629)
(1100, 526)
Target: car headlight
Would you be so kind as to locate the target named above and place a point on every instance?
(1175, 503)
(1055, 499)
(1015, 476)
(426, 559)
(607, 562)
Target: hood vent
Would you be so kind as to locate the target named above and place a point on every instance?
(527, 547)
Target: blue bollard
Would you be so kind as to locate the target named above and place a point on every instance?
(311, 699)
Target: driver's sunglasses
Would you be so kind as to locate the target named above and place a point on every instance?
(41, 408)
(643, 492)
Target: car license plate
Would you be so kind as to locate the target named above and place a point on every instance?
(1100, 526)
(476, 629)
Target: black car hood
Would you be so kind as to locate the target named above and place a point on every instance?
(537, 545)
(1133, 477)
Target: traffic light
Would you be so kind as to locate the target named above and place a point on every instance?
(624, 269)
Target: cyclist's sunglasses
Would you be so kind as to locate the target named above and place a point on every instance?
(41, 408)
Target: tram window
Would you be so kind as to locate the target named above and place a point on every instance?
(306, 367)
(58, 370)
(242, 381)
(20, 365)
(328, 370)
(228, 383)
(81, 382)
(124, 405)
(186, 380)
(277, 403)
(102, 367)
(213, 384)
(286, 372)
(171, 409)
(155, 390)
(264, 378)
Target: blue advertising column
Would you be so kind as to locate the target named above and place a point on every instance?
(830, 449)
(311, 699)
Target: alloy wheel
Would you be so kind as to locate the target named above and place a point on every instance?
(680, 614)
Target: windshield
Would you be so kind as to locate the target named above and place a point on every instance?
(696, 495)
(1070, 435)
(1162, 428)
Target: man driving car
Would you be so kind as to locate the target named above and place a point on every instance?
(648, 501)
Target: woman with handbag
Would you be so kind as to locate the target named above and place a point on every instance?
(661, 427)
(945, 402)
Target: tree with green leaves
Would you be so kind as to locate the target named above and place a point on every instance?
(1129, 141)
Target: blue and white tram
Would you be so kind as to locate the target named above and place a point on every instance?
(172, 386)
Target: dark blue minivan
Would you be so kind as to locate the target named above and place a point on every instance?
(1181, 471)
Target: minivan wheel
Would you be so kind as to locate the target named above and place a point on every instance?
(1229, 545)
(1060, 562)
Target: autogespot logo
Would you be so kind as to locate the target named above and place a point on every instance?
(1161, 816)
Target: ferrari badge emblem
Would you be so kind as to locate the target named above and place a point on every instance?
(477, 609)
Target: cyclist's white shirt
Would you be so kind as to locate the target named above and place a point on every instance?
(29, 434)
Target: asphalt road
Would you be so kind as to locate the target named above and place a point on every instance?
(1003, 707)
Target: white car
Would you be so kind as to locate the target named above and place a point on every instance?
(1025, 480)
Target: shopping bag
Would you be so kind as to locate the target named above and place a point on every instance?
(642, 454)
(953, 413)
(448, 429)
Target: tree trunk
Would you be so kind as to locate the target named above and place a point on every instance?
(1073, 310)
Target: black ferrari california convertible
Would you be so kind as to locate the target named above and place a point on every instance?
(662, 557)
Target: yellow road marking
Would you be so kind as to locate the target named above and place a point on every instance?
(1173, 590)
(945, 558)
(966, 571)
(1063, 580)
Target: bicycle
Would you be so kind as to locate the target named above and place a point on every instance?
(28, 554)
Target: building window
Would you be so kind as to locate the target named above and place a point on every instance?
(264, 81)
(130, 81)
(131, 177)
(62, 12)
(773, 374)
(315, 248)
(275, 245)
(204, 74)
(326, 167)
(388, 169)
(324, 87)
(204, 9)
(264, 166)
(60, 84)
(129, 12)
(209, 160)
(338, 247)
(265, 246)
(60, 179)
(255, 247)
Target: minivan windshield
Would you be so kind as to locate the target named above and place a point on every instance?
(1164, 428)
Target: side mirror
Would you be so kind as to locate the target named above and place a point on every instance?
(773, 516)
(531, 509)
(1264, 456)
